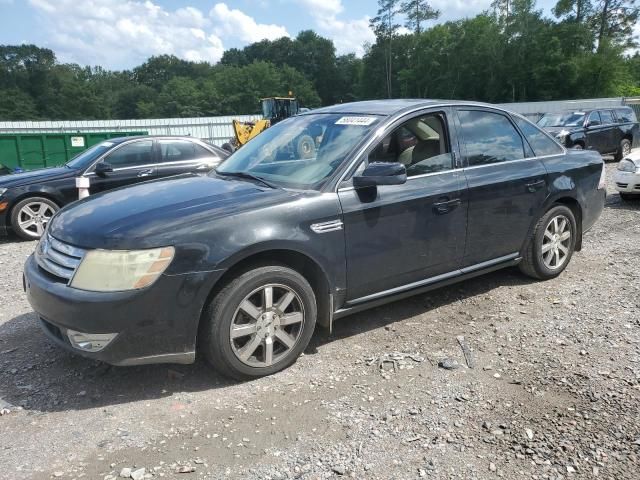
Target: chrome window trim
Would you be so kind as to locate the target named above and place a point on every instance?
(89, 170)
(386, 125)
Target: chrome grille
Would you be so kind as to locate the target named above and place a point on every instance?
(58, 258)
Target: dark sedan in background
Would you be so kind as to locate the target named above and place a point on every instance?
(609, 131)
(28, 200)
(401, 196)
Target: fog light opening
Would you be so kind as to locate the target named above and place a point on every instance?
(90, 342)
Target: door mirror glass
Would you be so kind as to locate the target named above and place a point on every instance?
(103, 168)
(381, 173)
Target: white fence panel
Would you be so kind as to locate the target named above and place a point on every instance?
(215, 129)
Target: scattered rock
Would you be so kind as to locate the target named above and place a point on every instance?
(449, 364)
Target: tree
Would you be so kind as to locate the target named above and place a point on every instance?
(385, 27)
(615, 20)
(574, 10)
(418, 12)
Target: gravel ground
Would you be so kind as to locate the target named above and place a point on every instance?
(555, 392)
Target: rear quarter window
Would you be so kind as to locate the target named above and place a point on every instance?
(540, 142)
(626, 115)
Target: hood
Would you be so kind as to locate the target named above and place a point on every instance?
(151, 214)
(556, 130)
(35, 176)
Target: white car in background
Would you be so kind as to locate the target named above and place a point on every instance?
(627, 177)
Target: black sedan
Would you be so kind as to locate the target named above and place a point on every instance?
(28, 200)
(400, 197)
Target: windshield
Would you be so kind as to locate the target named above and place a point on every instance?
(301, 152)
(86, 158)
(574, 119)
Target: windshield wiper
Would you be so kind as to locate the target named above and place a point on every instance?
(249, 176)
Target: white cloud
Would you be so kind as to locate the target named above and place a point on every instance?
(124, 33)
(457, 9)
(234, 23)
(349, 36)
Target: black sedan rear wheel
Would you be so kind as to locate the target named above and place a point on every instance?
(551, 245)
(259, 323)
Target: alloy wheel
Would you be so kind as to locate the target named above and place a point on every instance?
(33, 218)
(626, 149)
(267, 325)
(556, 242)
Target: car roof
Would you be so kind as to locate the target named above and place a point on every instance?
(139, 137)
(390, 107)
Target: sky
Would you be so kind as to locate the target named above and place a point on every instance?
(120, 34)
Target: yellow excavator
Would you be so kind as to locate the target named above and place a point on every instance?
(274, 110)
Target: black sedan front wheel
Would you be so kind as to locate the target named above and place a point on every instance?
(30, 217)
(259, 323)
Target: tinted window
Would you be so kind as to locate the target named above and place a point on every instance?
(606, 116)
(489, 138)
(132, 154)
(540, 142)
(181, 150)
(594, 119)
(626, 115)
(420, 144)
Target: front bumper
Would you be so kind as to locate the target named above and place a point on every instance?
(155, 325)
(627, 182)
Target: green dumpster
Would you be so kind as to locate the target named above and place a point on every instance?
(38, 150)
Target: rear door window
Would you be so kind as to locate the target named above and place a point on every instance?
(607, 117)
(489, 137)
(540, 142)
(181, 151)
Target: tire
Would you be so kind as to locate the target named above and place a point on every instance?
(629, 197)
(30, 216)
(578, 146)
(228, 147)
(624, 150)
(245, 356)
(305, 146)
(540, 265)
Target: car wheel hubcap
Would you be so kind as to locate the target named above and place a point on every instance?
(556, 242)
(267, 325)
(33, 218)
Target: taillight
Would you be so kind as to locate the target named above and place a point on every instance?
(602, 184)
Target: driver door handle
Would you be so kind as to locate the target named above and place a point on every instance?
(535, 186)
(445, 206)
(145, 173)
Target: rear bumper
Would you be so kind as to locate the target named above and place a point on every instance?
(4, 228)
(593, 209)
(155, 325)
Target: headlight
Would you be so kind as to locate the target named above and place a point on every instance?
(627, 166)
(118, 270)
(562, 134)
(2, 191)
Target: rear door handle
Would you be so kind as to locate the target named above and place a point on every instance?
(145, 173)
(535, 186)
(445, 206)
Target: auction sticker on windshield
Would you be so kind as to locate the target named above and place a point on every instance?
(362, 121)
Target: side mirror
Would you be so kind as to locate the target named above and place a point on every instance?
(381, 173)
(103, 168)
